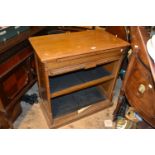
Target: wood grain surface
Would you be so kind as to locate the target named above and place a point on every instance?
(56, 46)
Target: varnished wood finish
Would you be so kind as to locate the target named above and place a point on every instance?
(57, 46)
(119, 31)
(139, 75)
(17, 73)
(139, 38)
(83, 61)
(4, 121)
(14, 82)
(14, 61)
(44, 90)
(81, 86)
(64, 53)
(109, 85)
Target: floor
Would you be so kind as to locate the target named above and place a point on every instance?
(33, 118)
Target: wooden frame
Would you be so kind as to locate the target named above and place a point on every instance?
(50, 64)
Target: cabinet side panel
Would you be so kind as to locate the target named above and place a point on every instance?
(109, 85)
(44, 90)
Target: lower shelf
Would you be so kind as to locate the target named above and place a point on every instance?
(76, 115)
(75, 101)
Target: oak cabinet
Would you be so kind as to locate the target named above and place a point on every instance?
(76, 73)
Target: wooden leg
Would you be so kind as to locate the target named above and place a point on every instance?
(5, 123)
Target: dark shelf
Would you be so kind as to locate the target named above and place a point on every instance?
(75, 101)
(65, 81)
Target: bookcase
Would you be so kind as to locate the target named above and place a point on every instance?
(76, 73)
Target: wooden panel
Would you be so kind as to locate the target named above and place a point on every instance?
(138, 84)
(119, 31)
(108, 86)
(139, 89)
(4, 121)
(44, 89)
(17, 98)
(1, 105)
(14, 111)
(15, 60)
(15, 82)
(17, 72)
(52, 47)
(139, 38)
(81, 113)
(81, 86)
(82, 61)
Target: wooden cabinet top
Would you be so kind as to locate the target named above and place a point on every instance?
(56, 46)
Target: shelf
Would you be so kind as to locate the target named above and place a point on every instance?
(67, 83)
(75, 101)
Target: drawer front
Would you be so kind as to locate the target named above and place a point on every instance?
(13, 82)
(86, 61)
(14, 60)
(140, 90)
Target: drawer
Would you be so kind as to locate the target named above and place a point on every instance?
(14, 60)
(13, 82)
(85, 61)
(140, 90)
